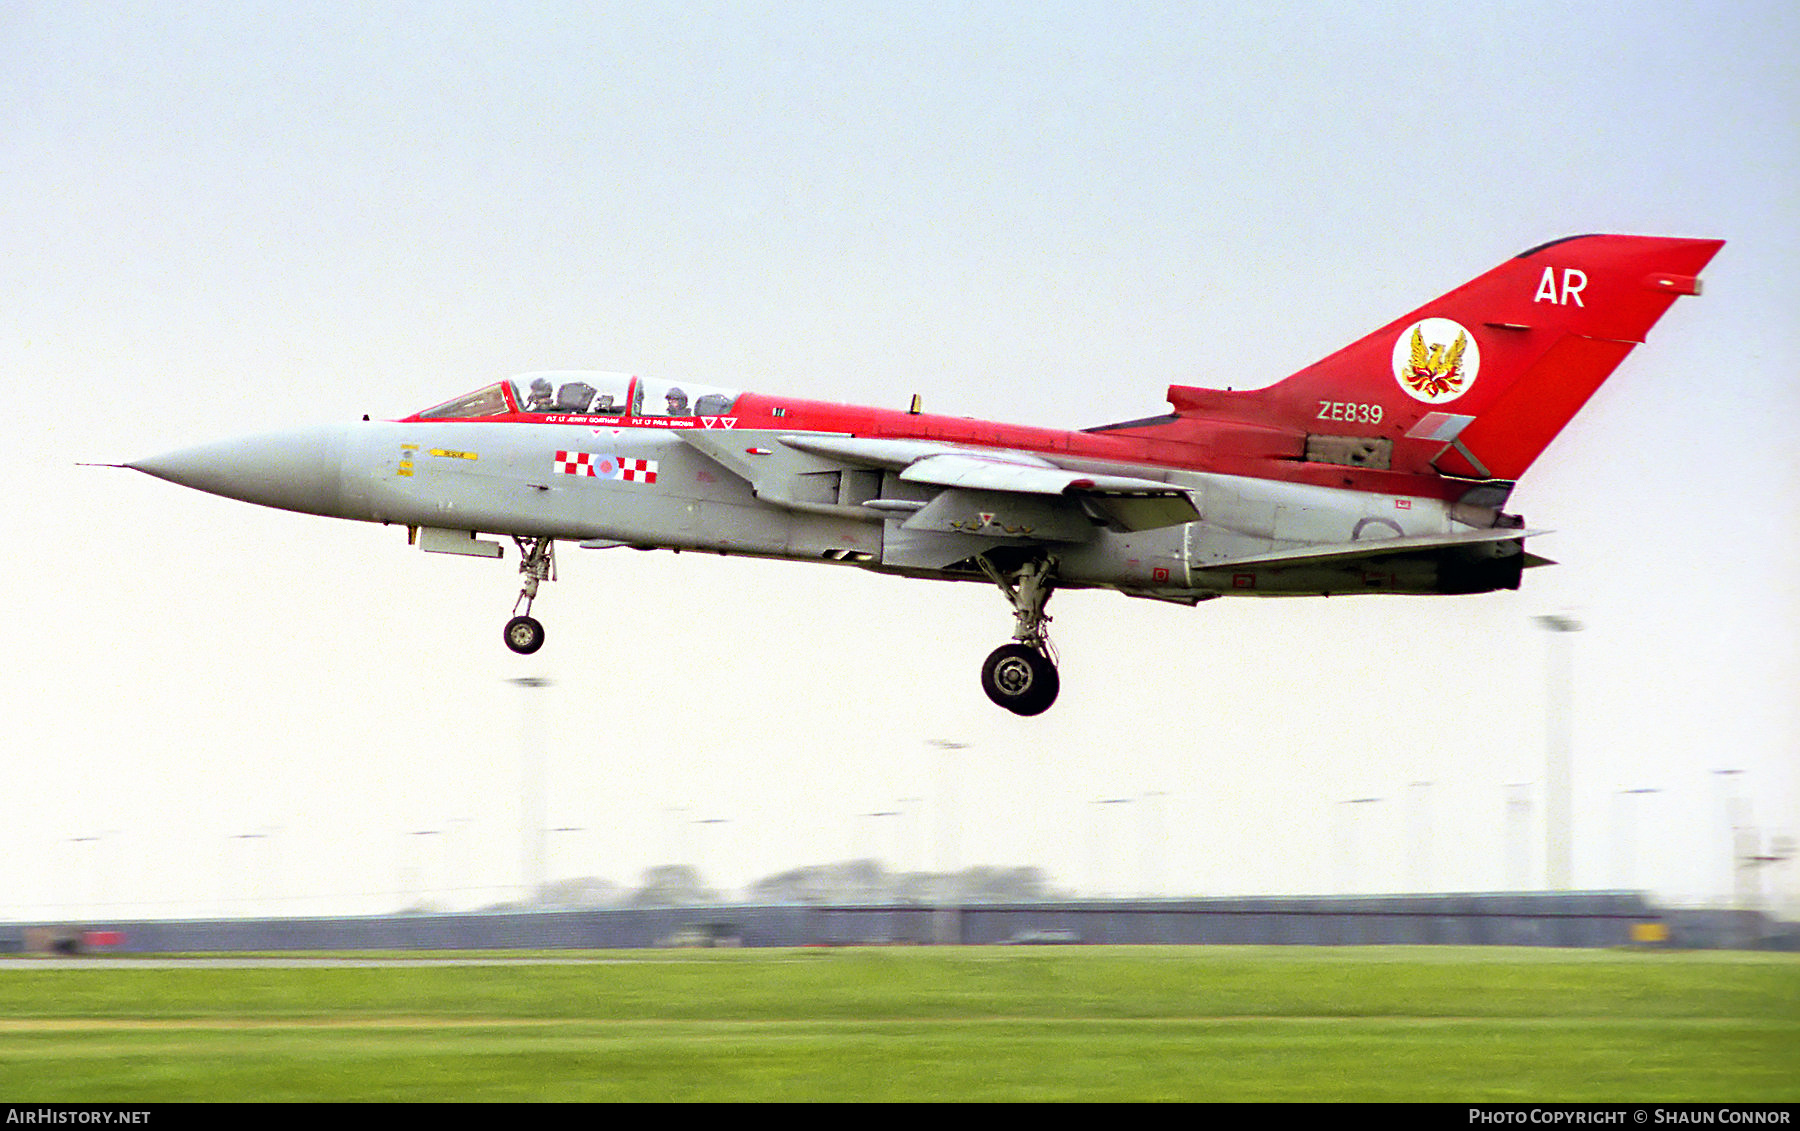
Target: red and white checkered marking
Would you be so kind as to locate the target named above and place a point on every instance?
(605, 467)
(637, 470)
(575, 463)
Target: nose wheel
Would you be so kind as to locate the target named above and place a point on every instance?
(524, 633)
(1021, 676)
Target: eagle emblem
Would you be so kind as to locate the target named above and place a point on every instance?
(1435, 360)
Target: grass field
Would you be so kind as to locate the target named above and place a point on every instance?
(1066, 1023)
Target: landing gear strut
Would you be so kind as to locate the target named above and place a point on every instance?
(1021, 676)
(524, 634)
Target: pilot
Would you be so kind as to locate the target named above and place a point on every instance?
(541, 399)
(678, 405)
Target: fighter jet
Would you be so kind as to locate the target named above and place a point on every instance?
(1384, 468)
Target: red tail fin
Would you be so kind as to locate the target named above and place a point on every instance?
(1478, 382)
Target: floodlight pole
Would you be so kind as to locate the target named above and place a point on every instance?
(1626, 850)
(418, 885)
(947, 927)
(1518, 835)
(531, 792)
(1347, 859)
(716, 824)
(1420, 792)
(91, 909)
(1153, 843)
(1102, 863)
(877, 816)
(1558, 758)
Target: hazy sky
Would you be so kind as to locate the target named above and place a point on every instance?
(231, 219)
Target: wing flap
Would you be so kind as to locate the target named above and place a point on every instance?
(891, 454)
(1123, 502)
(1016, 472)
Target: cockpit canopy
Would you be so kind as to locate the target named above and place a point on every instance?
(587, 395)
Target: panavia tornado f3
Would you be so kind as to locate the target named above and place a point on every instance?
(1384, 468)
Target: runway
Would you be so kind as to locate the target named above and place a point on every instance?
(118, 962)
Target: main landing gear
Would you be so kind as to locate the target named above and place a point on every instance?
(1021, 676)
(524, 634)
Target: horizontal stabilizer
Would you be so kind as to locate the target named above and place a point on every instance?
(1375, 548)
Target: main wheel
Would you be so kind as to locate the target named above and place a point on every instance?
(1021, 679)
(524, 635)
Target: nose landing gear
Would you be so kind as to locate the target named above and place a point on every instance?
(1021, 676)
(524, 634)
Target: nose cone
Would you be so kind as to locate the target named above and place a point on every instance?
(300, 470)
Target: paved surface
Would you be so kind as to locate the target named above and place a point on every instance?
(300, 963)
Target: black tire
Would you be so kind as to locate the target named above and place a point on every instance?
(1021, 679)
(524, 635)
